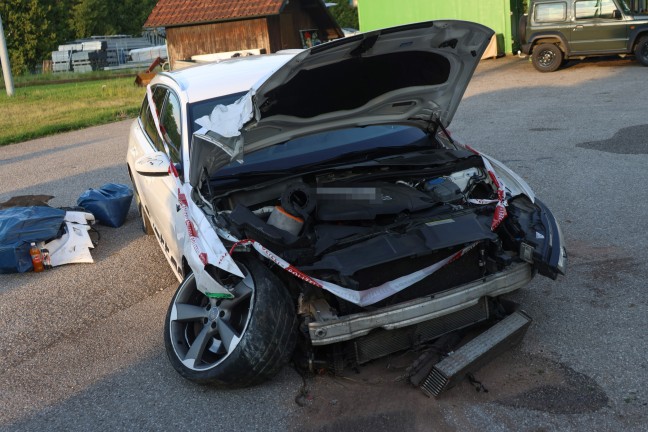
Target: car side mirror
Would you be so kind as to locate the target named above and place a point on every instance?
(617, 14)
(156, 164)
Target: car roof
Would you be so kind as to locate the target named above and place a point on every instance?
(222, 78)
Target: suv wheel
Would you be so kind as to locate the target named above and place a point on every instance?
(547, 57)
(641, 51)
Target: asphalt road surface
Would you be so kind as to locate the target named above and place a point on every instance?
(81, 345)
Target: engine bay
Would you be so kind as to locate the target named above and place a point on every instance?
(361, 228)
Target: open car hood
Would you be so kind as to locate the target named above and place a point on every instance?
(414, 75)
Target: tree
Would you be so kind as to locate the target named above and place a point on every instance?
(92, 17)
(345, 14)
(33, 28)
(132, 14)
(109, 17)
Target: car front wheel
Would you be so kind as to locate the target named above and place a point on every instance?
(641, 51)
(547, 57)
(146, 223)
(232, 343)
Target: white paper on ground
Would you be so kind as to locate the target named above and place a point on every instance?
(79, 217)
(74, 246)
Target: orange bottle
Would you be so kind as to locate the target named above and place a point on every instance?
(36, 257)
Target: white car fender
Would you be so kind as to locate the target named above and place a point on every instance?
(514, 183)
(202, 247)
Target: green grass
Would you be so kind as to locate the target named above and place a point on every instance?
(38, 111)
(45, 78)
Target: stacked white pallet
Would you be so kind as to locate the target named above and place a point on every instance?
(71, 47)
(61, 61)
(148, 54)
(85, 55)
(87, 61)
(118, 48)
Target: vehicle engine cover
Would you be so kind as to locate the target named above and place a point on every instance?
(368, 201)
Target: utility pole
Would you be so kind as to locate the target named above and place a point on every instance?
(6, 66)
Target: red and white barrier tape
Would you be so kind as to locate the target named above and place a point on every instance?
(197, 255)
(361, 298)
(500, 209)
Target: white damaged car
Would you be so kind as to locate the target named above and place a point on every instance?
(313, 204)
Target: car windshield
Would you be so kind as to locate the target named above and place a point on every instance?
(200, 109)
(337, 145)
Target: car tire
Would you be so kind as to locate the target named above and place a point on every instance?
(145, 221)
(522, 25)
(641, 50)
(547, 57)
(232, 343)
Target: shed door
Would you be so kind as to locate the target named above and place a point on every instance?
(288, 32)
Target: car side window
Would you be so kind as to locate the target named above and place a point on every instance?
(589, 9)
(550, 12)
(171, 125)
(146, 116)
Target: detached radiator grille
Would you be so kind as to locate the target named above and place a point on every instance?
(381, 342)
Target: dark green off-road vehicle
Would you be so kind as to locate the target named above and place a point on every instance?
(555, 31)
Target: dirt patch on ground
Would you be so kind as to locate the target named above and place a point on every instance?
(378, 396)
(609, 270)
(582, 252)
(604, 269)
(556, 388)
(606, 263)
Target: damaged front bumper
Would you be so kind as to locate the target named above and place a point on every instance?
(329, 330)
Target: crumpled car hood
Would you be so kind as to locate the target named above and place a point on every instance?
(414, 75)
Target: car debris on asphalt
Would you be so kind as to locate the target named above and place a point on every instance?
(62, 235)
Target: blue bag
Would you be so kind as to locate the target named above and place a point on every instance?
(109, 204)
(15, 258)
(19, 226)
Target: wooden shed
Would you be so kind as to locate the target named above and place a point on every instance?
(198, 27)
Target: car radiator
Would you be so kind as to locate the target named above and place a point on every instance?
(480, 350)
(380, 342)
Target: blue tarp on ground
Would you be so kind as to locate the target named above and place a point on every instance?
(19, 226)
(109, 204)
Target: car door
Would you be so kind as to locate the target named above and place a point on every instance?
(159, 193)
(598, 27)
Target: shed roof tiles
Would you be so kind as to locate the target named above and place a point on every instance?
(167, 13)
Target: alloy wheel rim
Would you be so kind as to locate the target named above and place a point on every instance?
(205, 331)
